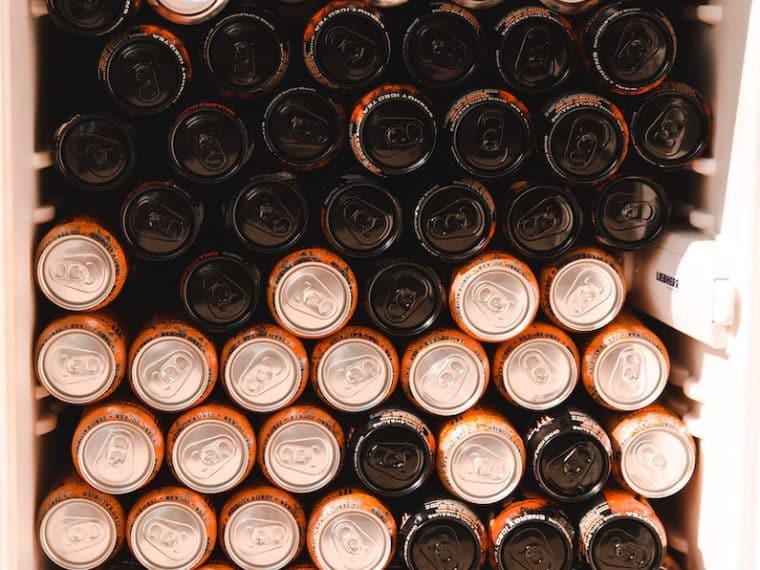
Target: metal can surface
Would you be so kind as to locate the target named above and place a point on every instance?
(312, 293)
(355, 369)
(217, 565)
(79, 527)
(262, 528)
(80, 265)
(570, 455)
(570, 6)
(144, 69)
(350, 529)
(264, 368)
(444, 533)
(478, 4)
(444, 372)
(91, 19)
(531, 533)
(655, 455)
(187, 12)
(618, 531)
(81, 359)
(481, 457)
(117, 447)
(301, 449)
(392, 130)
(493, 297)
(583, 290)
(392, 452)
(385, 3)
(538, 369)
(211, 448)
(171, 528)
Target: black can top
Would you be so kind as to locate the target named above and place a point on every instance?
(542, 221)
(404, 298)
(533, 544)
(270, 214)
(626, 542)
(90, 17)
(441, 48)
(630, 212)
(160, 220)
(95, 152)
(456, 220)
(220, 291)
(208, 143)
(360, 218)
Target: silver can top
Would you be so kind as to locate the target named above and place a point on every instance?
(485, 467)
(586, 294)
(76, 366)
(478, 4)
(168, 536)
(78, 534)
(658, 462)
(76, 273)
(116, 457)
(540, 374)
(262, 375)
(387, 3)
(446, 379)
(169, 373)
(188, 11)
(312, 299)
(355, 375)
(630, 374)
(302, 456)
(352, 539)
(210, 456)
(262, 535)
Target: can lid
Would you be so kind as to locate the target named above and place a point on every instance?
(313, 299)
(352, 539)
(302, 456)
(78, 534)
(658, 462)
(630, 374)
(116, 457)
(572, 466)
(478, 4)
(262, 375)
(76, 366)
(92, 18)
(76, 272)
(443, 542)
(262, 535)
(586, 294)
(187, 11)
(168, 536)
(540, 374)
(446, 378)
(623, 540)
(534, 539)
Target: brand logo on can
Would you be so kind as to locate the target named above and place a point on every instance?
(550, 217)
(98, 154)
(652, 459)
(489, 135)
(77, 364)
(173, 539)
(396, 460)
(265, 371)
(356, 50)
(628, 378)
(587, 139)
(163, 223)
(481, 465)
(535, 56)
(244, 60)
(439, 545)
(462, 218)
(308, 455)
(208, 148)
(353, 545)
(168, 374)
(623, 213)
(203, 459)
(393, 134)
(589, 290)
(267, 213)
(636, 47)
(620, 549)
(77, 533)
(114, 461)
(304, 128)
(356, 373)
(82, 272)
(443, 50)
(308, 295)
(496, 302)
(530, 549)
(537, 367)
(145, 77)
(366, 222)
(222, 294)
(574, 464)
(264, 535)
(445, 379)
(667, 131)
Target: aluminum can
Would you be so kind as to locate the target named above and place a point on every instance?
(81, 358)
(301, 449)
(444, 372)
(117, 447)
(217, 565)
(211, 448)
(171, 528)
(264, 368)
(481, 457)
(80, 265)
(262, 528)
(669, 563)
(538, 369)
(350, 529)
(312, 293)
(79, 527)
(91, 18)
(493, 297)
(384, 3)
(478, 4)
(187, 12)
(583, 290)
(570, 6)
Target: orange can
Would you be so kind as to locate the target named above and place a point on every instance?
(172, 366)
(117, 447)
(80, 266)
(172, 528)
(355, 369)
(81, 358)
(211, 448)
(351, 529)
(444, 372)
(262, 528)
(217, 565)
(669, 563)
(264, 368)
(301, 449)
(625, 365)
(583, 290)
(312, 293)
(79, 526)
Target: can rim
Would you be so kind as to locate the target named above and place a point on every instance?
(387, 546)
(187, 17)
(136, 547)
(586, 553)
